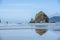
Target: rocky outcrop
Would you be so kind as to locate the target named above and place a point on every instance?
(40, 17)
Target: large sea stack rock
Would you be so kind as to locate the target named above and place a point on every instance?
(41, 17)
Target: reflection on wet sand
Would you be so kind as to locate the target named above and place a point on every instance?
(40, 31)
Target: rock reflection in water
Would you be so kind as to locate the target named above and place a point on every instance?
(40, 30)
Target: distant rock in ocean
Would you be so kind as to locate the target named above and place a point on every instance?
(55, 18)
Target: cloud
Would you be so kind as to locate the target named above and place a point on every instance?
(15, 10)
(14, 4)
(18, 6)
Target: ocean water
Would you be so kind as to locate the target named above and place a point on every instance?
(28, 34)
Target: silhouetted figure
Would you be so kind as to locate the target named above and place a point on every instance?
(7, 22)
(0, 20)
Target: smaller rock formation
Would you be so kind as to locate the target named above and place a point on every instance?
(32, 20)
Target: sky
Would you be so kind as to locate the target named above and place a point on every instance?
(21, 11)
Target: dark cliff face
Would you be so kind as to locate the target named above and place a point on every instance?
(40, 17)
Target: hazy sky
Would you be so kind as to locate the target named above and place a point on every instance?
(23, 10)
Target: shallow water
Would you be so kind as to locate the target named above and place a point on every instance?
(27, 34)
